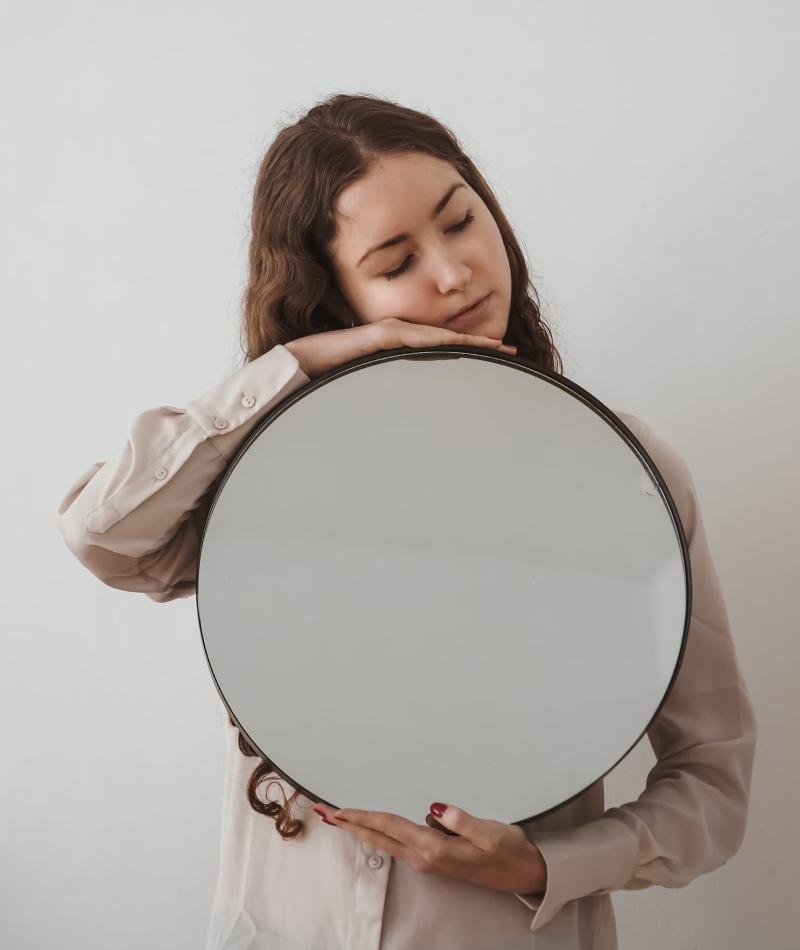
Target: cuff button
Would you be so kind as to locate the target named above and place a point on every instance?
(161, 474)
(220, 423)
(248, 402)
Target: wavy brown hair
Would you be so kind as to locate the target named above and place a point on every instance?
(292, 291)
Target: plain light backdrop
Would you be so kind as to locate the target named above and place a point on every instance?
(648, 155)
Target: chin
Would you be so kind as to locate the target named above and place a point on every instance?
(493, 327)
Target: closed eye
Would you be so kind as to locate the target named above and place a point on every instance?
(390, 275)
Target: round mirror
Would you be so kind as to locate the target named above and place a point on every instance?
(443, 575)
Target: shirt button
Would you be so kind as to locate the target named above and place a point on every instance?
(375, 861)
(220, 423)
(161, 473)
(248, 401)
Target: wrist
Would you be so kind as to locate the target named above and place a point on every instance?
(371, 336)
(296, 349)
(540, 872)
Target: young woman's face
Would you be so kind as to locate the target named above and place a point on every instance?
(442, 256)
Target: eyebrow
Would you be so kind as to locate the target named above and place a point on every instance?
(399, 238)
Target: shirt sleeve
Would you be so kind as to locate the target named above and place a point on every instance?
(691, 817)
(135, 521)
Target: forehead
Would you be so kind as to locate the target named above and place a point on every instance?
(397, 192)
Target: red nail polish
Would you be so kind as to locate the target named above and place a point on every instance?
(328, 822)
(339, 819)
(495, 338)
(320, 812)
(438, 809)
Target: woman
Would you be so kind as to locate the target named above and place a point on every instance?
(371, 229)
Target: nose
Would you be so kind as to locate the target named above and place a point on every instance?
(451, 273)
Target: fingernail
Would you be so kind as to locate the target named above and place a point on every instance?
(438, 809)
(339, 819)
(320, 812)
(328, 822)
(507, 346)
(494, 338)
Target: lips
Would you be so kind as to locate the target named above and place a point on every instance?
(469, 307)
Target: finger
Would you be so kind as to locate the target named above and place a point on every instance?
(325, 812)
(420, 860)
(421, 335)
(384, 842)
(473, 339)
(431, 822)
(486, 340)
(352, 816)
(433, 845)
(483, 833)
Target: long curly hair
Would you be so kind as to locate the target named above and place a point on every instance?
(291, 290)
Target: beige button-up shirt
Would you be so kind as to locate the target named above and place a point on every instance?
(135, 522)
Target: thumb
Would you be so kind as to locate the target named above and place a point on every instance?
(431, 822)
(459, 822)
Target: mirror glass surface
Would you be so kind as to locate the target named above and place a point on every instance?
(452, 580)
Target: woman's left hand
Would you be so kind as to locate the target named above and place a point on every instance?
(486, 852)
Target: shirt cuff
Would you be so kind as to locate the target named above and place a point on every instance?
(595, 858)
(229, 411)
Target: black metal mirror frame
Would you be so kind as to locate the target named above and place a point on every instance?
(519, 363)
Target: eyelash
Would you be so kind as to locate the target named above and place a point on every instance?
(456, 227)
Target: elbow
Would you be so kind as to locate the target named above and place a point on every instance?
(733, 833)
(134, 553)
(726, 815)
(71, 518)
(112, 569)
(166, 574)
(71, 523)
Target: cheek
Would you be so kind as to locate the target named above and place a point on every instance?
(489, 255)
(392, 298)
(502, 266)
(498, 277)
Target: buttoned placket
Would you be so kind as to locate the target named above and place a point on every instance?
(373, 878)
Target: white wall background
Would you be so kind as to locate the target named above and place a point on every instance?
(649, 155)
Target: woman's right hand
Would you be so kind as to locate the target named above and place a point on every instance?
(321, 352)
